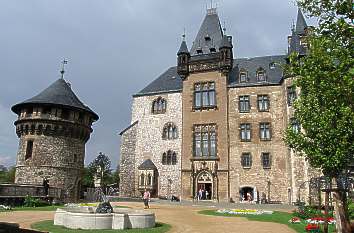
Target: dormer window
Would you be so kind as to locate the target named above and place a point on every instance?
(159, 106)
(212, 50)
(272, 66)
(261, 77)
(199, 51)
(207, 38)
(243, 76)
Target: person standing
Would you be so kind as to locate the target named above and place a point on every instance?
(146, 199)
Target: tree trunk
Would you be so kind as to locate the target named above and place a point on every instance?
(325, 228)
(342, 221)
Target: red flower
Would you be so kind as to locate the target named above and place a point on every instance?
(310, 227)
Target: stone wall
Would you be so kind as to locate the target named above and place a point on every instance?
(151, 145)
(276, 179)
(53, 158)
(127, 161)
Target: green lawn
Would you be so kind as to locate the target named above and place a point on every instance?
(277, 217)
(49, 226)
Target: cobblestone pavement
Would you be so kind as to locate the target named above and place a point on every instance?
(182, 217)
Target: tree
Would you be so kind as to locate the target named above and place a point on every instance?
(7, 175)
(101, 168)
(325, 107)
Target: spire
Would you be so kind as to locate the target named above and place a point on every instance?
(63, 63)
(183, 48)
(209, 34)
(300, 23)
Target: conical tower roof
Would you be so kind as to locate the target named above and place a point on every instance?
(183, 48)
(301, 24)
(209, 35)
(58, 93)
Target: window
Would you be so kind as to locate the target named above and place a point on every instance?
(169, 158)
(205, 140)
(204, 95)
(29, 150)
(149, 179)
(75, 158)
(243, 77)
(266, 160)
(263, 103)
(246, 160)
(142, 180)
(29, 112)
(295, 125)
(261, 77)
(264, 131)
(272, 65)
(159, 106)
(291, 92)
(47, 110)
(245, 132)
(65, 114)
(244, 103)
(169, 131)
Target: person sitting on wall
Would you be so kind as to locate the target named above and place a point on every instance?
(46, 186)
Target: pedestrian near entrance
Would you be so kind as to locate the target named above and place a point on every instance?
(146, 199)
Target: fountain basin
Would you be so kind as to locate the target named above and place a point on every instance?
(86, 218)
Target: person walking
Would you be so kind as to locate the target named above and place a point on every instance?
(146, 199)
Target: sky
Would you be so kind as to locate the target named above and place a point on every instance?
(114, 49)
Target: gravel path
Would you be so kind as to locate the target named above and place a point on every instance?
(184, 219)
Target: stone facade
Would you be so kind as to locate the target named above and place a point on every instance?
(209, 73)
(150, 144)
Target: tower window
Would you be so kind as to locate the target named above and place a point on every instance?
(246, 160)
(169, 131)
(213, 50)
(169, 158)
(65, 114)
(204, 95)
(29, 150)
(205, 140)
(199, 50)
(29, 112)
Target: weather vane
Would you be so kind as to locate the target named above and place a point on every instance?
(63, 63)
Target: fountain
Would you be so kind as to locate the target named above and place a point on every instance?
(104, 216)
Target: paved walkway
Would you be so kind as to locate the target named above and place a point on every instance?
(183, 218)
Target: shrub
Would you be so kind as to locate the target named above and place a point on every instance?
(34, 202)
(351, 209)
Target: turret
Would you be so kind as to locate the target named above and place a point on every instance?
(226, 55)
(183, 57)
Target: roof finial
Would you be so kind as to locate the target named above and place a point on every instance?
(63, 63)
(224, 28)
(184, 34)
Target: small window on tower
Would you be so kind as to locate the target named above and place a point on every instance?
(213, 50)
(29, 150)
(199, 50)
(207, 38)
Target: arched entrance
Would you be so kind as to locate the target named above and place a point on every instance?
(205, 186)
(248, 194)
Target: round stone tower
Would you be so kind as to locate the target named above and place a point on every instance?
(53, 128)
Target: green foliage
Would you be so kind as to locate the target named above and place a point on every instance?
(34, 202)
(101, 168)
(351, 209)
(48, 226)
(310, 212)
(7, 175)
(325, 80)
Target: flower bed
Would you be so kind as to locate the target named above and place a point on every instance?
(244, 211)
(4, 207)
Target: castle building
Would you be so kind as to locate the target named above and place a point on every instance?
(216, 123)
(53, 128)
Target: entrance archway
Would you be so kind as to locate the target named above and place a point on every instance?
(248, 194)
(205, 186)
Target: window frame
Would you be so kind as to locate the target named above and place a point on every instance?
(159, 105)
(269, 159)
(209, 131)
(261, 99)
(295, 125)
(291, 94)
(169, 158)
(29, 149)
(247, 131)
(169, 131)
(263, 126)
(249, 164)
(243, 99)
(264, 77)
(200, 92)
(245, 73)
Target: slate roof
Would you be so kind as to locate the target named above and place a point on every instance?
(210, 28)
(183, 48)
(58, 93)
(170, 81)
(301, 24)
(127, 128)
(147, 165)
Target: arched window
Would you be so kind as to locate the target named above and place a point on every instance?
(169, 158)
(261, 75)
(169, 131)
(159, 105)
(142, 179)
